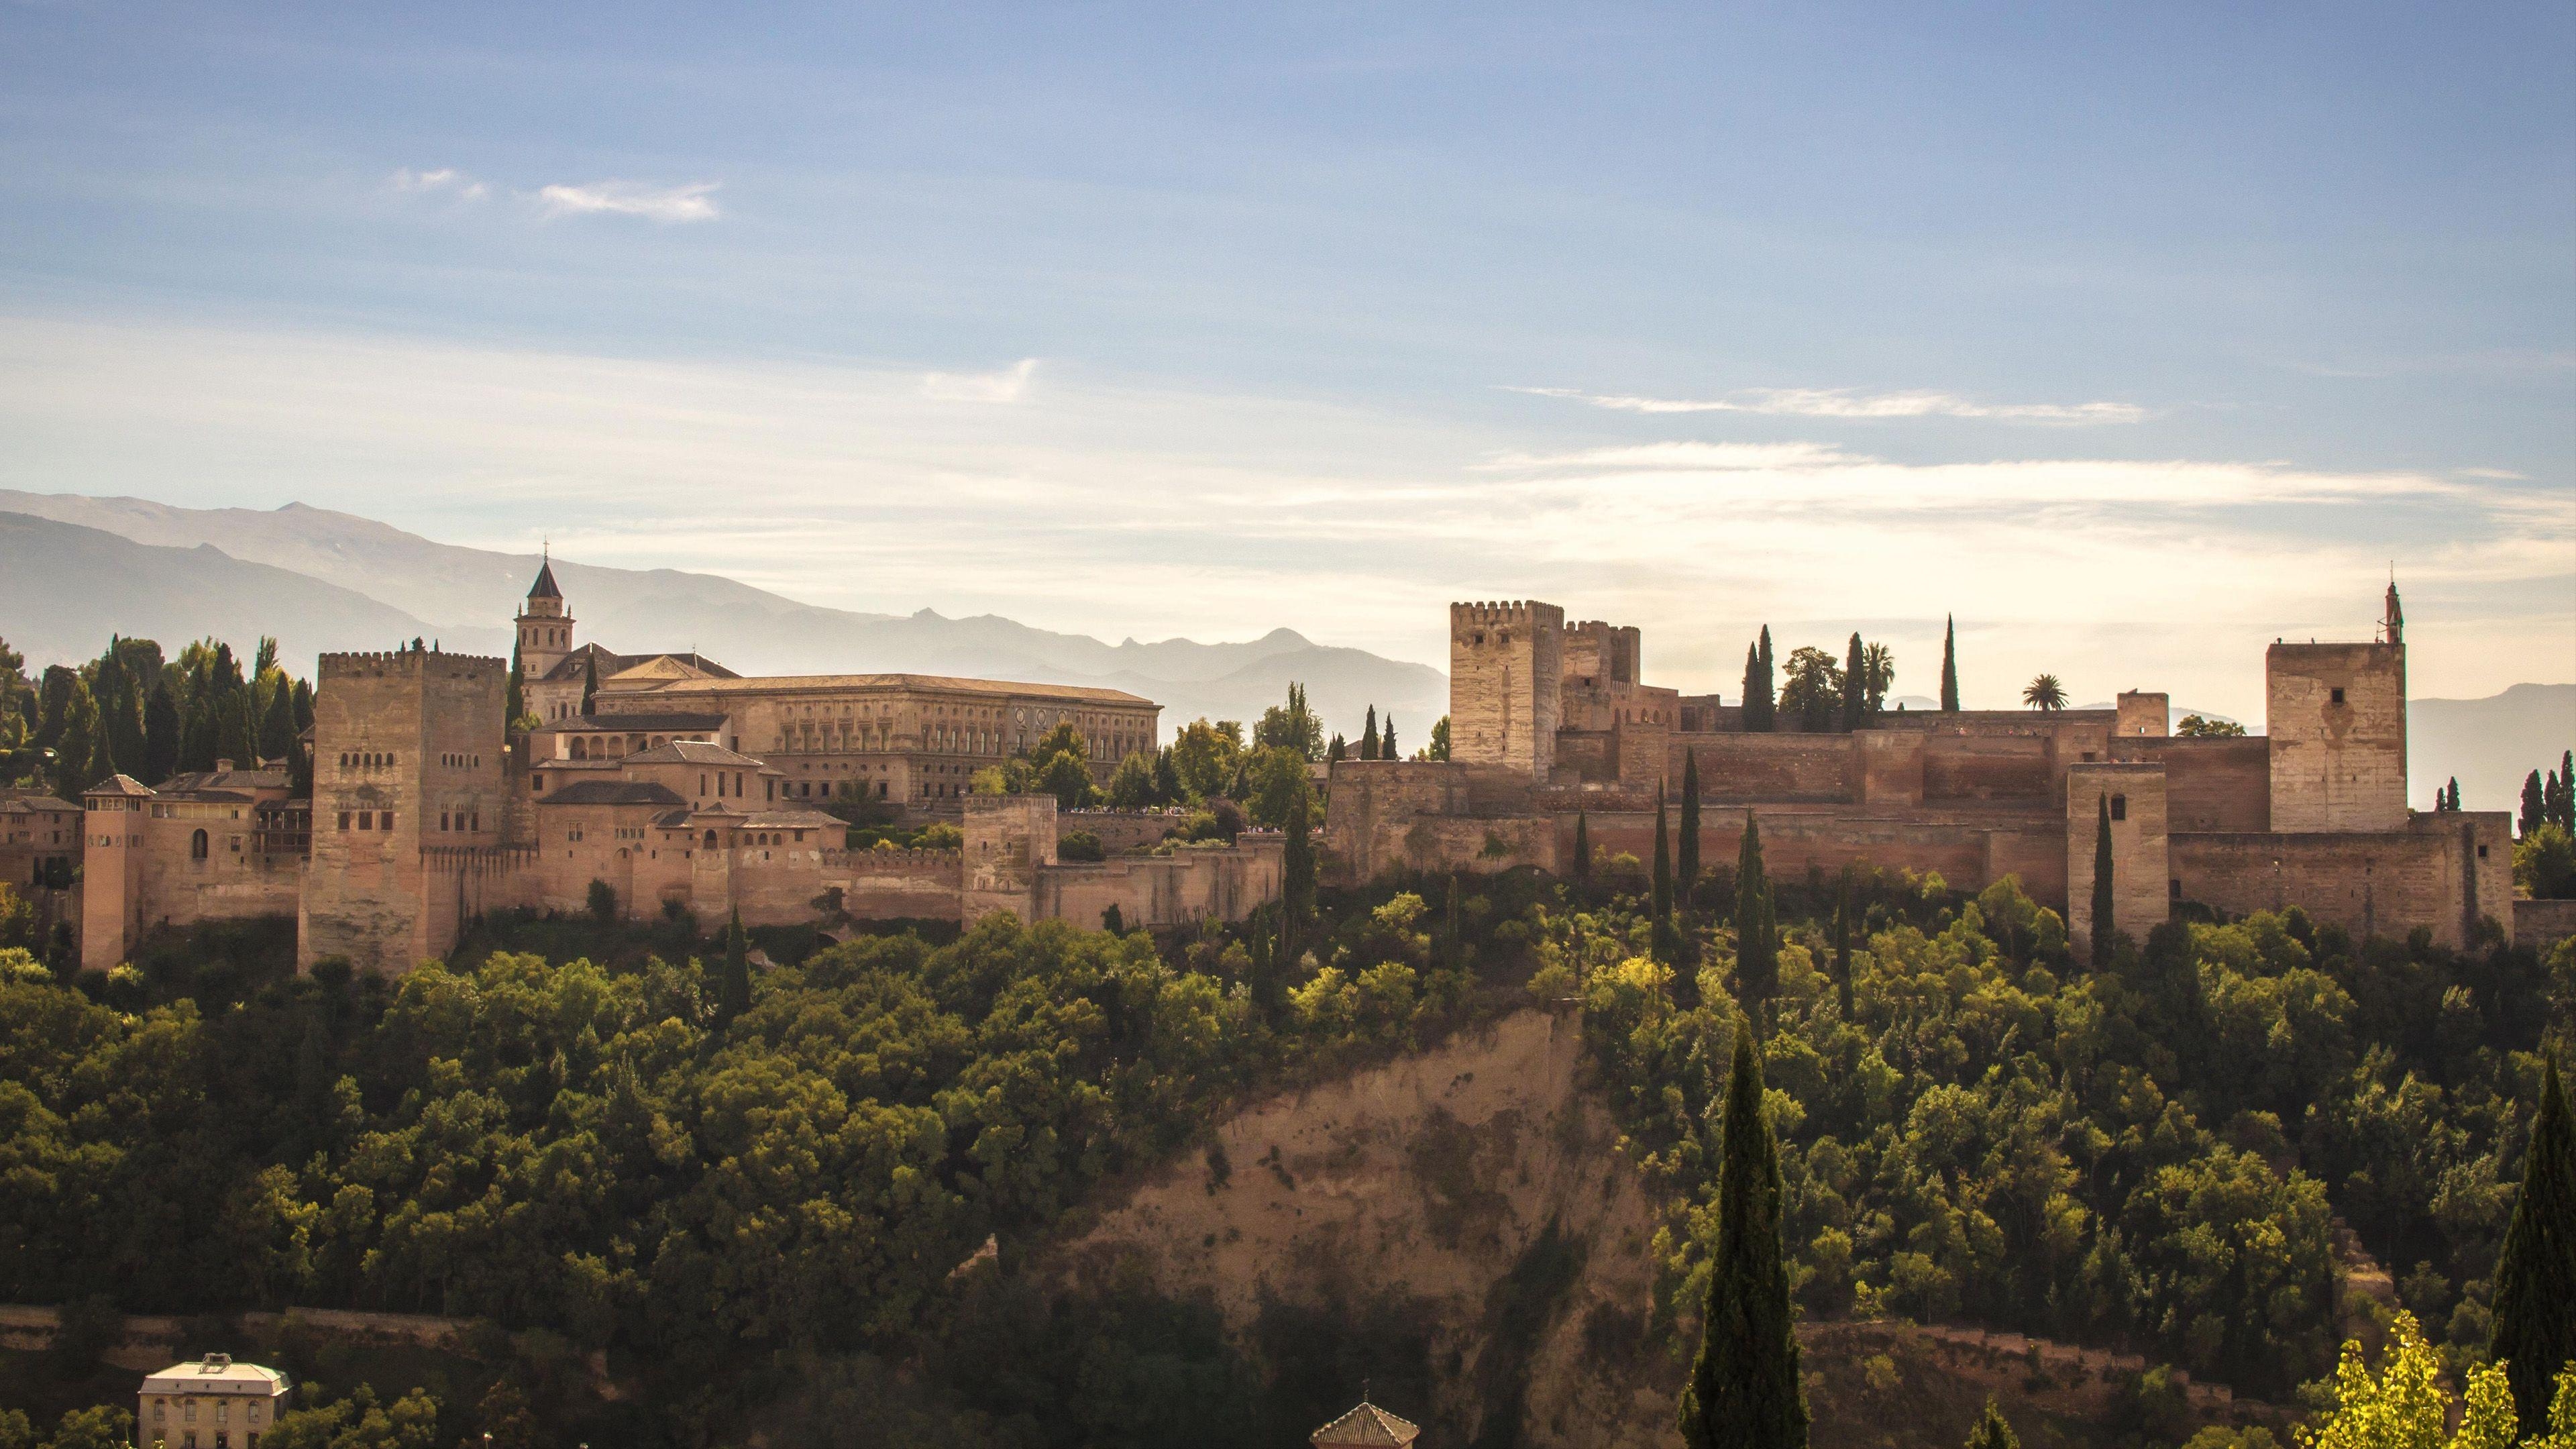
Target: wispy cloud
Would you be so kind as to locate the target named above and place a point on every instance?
(445, 180)
(1008, 385)
(1843, 402)
(692, 202)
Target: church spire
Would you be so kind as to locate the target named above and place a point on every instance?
(544, 587)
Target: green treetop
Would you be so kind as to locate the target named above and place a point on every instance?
(2535, 1280)
(1744, 1391)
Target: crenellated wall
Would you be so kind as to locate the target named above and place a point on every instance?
(1224, 883)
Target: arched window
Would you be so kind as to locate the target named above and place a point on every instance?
(197, 846)
(711, 840)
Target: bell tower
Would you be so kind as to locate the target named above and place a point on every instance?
(545, 627)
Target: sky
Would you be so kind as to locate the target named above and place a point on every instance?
(2133, 338)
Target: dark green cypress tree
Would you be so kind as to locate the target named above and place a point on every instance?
(2535, 1279)
(160, 735)
(1855, 687)
(1993, 1431)
(1296, 900)
(733, 989)
(1368, 736)
(1744, 1391)
(1949, 662)
(1757, 930)
(2557, 799)
(1769, 691)
(277, 732)
(1660, 900)
(1582, 847)
(303, 705)
(2567, 794)
(514, 703)
(589, 682)
(1386, 739)
(1686, 854)
(2534, 805)
(1337, 750)
(1748, 716)
(1168, 789)
(2103, 926)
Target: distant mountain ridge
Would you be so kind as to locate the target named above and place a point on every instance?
(465, 597)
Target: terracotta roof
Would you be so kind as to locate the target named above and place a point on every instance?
(793, 820)
(612, 664)
(612, 792)
(118, 785)
(784, 683)
(1367, 1424)
(201, 781)
(639, 722)
(544, 587)
(696, 752)
(33, 804)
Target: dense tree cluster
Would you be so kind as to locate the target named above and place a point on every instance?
(133, 712)
(1812, 692)
(2149, 1153)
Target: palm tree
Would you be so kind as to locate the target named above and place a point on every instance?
(2045, 693)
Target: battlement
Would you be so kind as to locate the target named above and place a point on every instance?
(1502, 613)
(905, 861)
(413, 660)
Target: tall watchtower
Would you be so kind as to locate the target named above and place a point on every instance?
(2336, 715)
(407, 754)
(1506, 676)
(545, 626)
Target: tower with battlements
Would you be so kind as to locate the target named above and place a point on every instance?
(1506, 677)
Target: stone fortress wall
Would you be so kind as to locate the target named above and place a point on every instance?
(2311, 814)
(425, 813)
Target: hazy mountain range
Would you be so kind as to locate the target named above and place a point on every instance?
(74, 569)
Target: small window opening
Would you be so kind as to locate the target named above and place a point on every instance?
(2119, 807)
(2338, 696)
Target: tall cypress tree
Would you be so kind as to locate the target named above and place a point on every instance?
(2102, 922)
(1582, 847)
(77, 746)
(160, 735)
(1744, 1391)
(733, 989)
(514, 701)
(1749, 716)
(1950, 662)
(1757, 930)
(1686, 856)
(1296, 901)
(1769, 690)
(277, 732)
(589, 682)
(2534, 805)
(1368, 736)
(1660, 906)
(1855, 687)
(1386, 739)
(2535, 1279)
(2567, 796)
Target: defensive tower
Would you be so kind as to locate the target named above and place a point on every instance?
(2336, 717)
(407, 754)
(1506, 676)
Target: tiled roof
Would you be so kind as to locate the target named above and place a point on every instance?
(791, 683)
(696, 752)
(639, 722)
(34, 804)
(200, 781)
(544, 587)
(613, 664)
(118, 785)
(792, 820)
(1367, 1424)
(612, 792)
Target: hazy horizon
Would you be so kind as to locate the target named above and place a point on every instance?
(2133, 340)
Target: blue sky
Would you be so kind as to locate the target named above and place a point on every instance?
(2135, 337)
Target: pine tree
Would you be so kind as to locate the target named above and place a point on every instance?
(1855, 687)
(1993, 1431)
(2102, 922)
(589, 683)
(160, 735)
(2534, 806)
(1368, 736)
(2535, 1279)
(1582, 847)
(1686, 855)
(1386, 740)
(733, 989)
(1950, 663)
(1842, 944)
(1757, 930)
(1744, 1391)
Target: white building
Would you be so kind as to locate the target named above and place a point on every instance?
(213, 1403)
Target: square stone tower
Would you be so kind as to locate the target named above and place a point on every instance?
(1008, 837)
(2336, 715)
(1506, 677)
(407, 753)
(2141, 861)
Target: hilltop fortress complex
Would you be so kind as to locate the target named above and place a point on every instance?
(1551, 721)
(677, 785)
(666, 778)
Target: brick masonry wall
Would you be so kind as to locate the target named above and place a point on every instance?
(2336, 764)
(1382, 811)
(1792, 769)
(2210, 784)
(889, 885)
(1506, 674)
(2543, 924)
(1968, 855)
(2140, 854)
(2387, 883)
(1226, 883)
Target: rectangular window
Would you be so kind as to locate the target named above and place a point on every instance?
(366, 820)
(442, 820)
(2173, 889)
(344, 819)
(2338, 696)
(2119, 807)
(385, 820)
